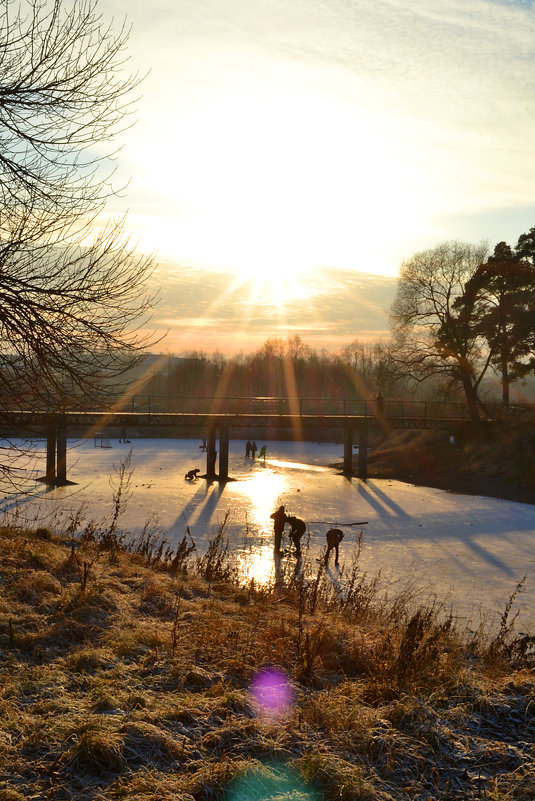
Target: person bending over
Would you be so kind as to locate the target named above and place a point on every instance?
(334, 538)
(297, 529)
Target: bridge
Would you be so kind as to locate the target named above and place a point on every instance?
(216, 417)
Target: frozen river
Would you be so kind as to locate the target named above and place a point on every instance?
(469, 550)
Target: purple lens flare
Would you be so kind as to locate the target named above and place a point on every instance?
(272, 691)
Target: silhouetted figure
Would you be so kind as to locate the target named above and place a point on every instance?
(262, 453)
(253, 449)
(334, 538)
(379, 401)
(202, 446)
(279, 518)
(297, 529)
(248, 449)
(191, 475)
(122, 438)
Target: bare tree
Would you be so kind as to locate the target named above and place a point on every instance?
(431, 337)
(61, 95)
(369, 367)
(72, 304)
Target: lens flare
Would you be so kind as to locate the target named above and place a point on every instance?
(271, 782)
(272, 692)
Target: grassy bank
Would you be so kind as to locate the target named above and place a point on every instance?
(498, 464)
(126, 674)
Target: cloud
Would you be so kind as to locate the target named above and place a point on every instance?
(332, 131)
(340, 307)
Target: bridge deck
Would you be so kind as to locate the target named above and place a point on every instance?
(87, 420)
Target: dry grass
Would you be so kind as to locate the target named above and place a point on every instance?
(499, 463)
(133, 684)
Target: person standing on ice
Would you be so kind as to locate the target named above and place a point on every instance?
(253, 449)
(248, 449)
(279, 518)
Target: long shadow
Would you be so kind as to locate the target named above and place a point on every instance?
(209, 505)
(464, 565)
(469, 541)
(370, 485)
(19, 499)
(488, 557)
(438, 527)
(191, 505)
(451, 524)
(379, 507)
(335, 581)
(202, 501)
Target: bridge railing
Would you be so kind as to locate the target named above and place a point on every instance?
(153, 404)
(413, 409)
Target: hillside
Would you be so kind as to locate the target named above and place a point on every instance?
(498, 465)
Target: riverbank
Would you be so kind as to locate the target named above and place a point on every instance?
(142, 675)
(500, 466)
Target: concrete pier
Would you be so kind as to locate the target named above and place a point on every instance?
(61, 455)
(362, 469)
(223, 453)
(211, 453)
(50, 475)
(363, 453)
(348, 452)
(56, 453)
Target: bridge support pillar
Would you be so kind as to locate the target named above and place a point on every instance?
(50, 475)
(61, 445)
(56, 454)
(223, 453)
(363, 453)
(348, 452)
(211, 453)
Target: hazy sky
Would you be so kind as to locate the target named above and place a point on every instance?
(289, 142)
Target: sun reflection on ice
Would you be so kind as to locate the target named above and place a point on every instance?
(298, 466)
(257, 564)
(264, 490)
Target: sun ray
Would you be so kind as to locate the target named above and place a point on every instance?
(120, 405)
(292, 394)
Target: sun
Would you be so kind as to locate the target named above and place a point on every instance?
(276, 281)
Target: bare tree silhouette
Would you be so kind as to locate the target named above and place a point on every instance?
(72, 303)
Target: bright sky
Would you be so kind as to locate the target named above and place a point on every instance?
(277, 138)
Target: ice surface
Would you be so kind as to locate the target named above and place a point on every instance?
(470, 550)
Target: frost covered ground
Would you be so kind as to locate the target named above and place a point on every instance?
(471, 551)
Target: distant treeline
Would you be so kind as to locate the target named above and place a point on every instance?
(283, 368)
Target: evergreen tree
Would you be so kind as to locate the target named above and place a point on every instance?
(500, 299)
